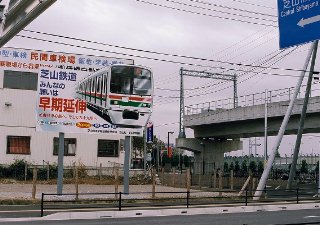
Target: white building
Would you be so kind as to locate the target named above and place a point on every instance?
(18, 136)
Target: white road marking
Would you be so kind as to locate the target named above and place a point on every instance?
(306, 217)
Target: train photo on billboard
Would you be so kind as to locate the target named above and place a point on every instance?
(120, 94)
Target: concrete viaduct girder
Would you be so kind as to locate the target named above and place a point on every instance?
(208, 154)
(243, 122)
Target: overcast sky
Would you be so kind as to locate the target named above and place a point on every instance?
(236, 31)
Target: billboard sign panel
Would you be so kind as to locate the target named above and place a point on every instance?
(28, 60)
(60, 110)
(299, 22)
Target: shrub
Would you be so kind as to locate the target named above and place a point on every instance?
(17, 170)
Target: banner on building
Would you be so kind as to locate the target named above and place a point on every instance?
(27, 60)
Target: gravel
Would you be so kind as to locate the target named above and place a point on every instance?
(24, 191)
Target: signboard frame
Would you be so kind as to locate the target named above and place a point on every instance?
(299, 22)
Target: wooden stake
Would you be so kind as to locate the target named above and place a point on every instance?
(77, 182)
(34, 183)
(153, 184)
(116, 181)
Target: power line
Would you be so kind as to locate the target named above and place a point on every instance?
(240, 82)
(267, 60)
(238, 45)
(231, 8)
(145, 51)
(256, 73)
(229, 13)
(205, 14)
(113, 52)
(253, 4)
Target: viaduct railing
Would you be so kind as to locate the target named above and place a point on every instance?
(284, 94)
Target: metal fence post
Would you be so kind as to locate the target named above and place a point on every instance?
(246, 197)
(120, 201)
(42, 197)
(188, 196)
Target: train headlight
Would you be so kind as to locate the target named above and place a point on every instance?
(115, 102)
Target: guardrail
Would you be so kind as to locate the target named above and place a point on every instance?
(248, 100)
(120, 200)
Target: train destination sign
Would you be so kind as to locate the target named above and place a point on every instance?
(299, 22)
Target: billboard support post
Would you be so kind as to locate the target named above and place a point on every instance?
(145, 150)
(127, 148)
(60, 163)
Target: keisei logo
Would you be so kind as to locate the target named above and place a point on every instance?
(83, 125)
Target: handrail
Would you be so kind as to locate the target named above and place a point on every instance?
(247, 100)
(186, 199)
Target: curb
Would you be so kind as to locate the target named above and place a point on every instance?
(162, 212)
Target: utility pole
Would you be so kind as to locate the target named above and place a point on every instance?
(182, 132)
(302, 118)
(282, 129)
(266, 128)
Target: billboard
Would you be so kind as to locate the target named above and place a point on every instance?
(60, 107)
(57, 107)
(28, 60)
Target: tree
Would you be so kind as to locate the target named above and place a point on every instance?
(175, 160)
(225, 167)
(237, 167)
(304, 166)
(260, 167)
(231, 166)
(278, 154)
(316, 170)
(244, 167)
(253, 166)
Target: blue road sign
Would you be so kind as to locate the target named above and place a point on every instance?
(299, 21)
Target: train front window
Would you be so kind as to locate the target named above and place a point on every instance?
(120, 80)
(130, 80)
(142, 82)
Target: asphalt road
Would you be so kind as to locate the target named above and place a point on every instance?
(311, 216)
(16, 211)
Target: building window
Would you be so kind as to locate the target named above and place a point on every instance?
(20, 80)
(18, 145)
(108, 148)
(70, 145)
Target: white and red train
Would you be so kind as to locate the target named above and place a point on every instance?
(121, 94)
